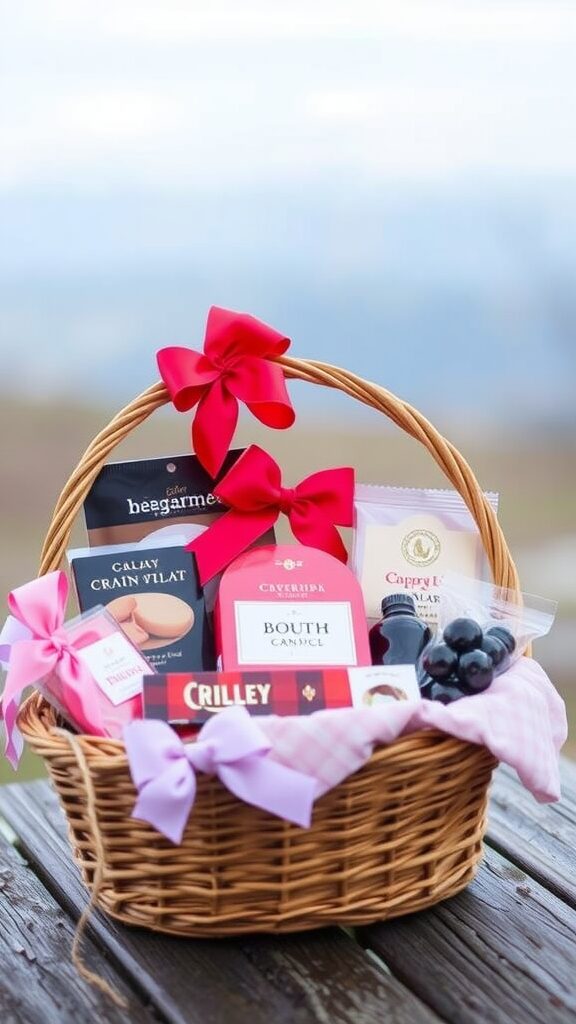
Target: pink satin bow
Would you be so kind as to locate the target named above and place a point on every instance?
(39, 606)
(231, 746)
(236, 365)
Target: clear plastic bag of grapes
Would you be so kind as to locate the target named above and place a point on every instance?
(483, 629)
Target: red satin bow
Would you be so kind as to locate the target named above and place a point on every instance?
(235, 366)
(253, 491)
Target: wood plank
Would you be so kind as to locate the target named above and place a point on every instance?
(568, 774)
(321, 976)
(539, 838)
(39, 984)
(501, 952)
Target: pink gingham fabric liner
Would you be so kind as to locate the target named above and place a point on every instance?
(521, 719)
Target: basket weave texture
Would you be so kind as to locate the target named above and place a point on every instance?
(400, 834)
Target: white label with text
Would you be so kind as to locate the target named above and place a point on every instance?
(294, 633)
(117, 667)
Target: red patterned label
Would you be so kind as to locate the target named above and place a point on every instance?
(194, 697)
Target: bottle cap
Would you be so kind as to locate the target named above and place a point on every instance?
(398, 601)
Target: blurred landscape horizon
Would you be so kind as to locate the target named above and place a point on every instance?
(459, 300)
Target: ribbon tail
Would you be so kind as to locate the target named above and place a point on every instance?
(231, 534)
(213, 427)
(278, 414)
(14, 744)
(26, 668)
(272, 787)
(79, 694)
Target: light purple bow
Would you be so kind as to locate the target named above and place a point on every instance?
(231, 746)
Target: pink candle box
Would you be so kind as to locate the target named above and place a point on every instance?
(293, 606)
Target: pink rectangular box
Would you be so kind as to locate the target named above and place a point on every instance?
(117, 668)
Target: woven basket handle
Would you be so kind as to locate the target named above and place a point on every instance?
(405, 416)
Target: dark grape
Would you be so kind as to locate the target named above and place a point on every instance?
(496, 651)
(503, 634)
(463, 635)
(446, 693)
(475, 671)
(440, 661)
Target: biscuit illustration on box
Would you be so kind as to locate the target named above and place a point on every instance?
(121, 608)
(152, 620)
(134, 632)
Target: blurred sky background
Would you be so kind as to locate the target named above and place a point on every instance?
(392, 184)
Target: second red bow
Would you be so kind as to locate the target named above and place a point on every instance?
(253, 491)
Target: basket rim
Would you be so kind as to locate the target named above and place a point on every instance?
(38, 723)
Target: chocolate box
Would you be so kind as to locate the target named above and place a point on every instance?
(290, 605)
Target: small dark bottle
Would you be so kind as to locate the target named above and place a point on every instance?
(400, 636)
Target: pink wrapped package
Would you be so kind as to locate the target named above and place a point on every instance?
(86, 668)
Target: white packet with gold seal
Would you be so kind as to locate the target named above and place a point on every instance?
(406, 538)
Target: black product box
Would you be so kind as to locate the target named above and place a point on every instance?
(154, 594)
(129, 500)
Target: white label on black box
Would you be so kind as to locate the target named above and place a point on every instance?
(294, 633)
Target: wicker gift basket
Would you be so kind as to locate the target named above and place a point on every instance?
(402, 833)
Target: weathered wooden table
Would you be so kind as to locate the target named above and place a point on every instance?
(503, 951)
